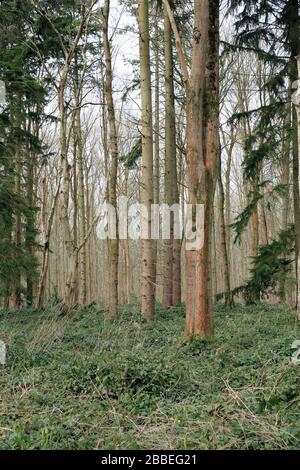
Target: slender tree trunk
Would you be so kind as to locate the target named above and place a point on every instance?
(30, 220)
(224, 250)
(255, 227)
(285, 180)
(113, 173)
(148, 268)
(45, 256)
(156, 172)
(170, 162)
(81, 208)
(74, 194)
(297, 201)
(296, 198)
(176, 294)
(228, 197)
(18, 222)
(294, 34)
(70, 287)
(173, 287)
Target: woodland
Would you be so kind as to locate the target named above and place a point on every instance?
(173, 321)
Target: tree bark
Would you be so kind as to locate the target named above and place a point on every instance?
(156, 171)
(18, 221)
(224, 249)
(170, 162)
(148, 268)
(113, 171)
(297, 201)
(202, 150)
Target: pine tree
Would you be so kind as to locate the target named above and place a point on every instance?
(271, 30)
(19, 150)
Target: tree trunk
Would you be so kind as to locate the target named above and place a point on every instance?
(202, 137)
(176, 294)
(30, 219)
(170, 162)
(224, 250)
(113, 242)
(81, 209)
(294, 33)
(70, 287)
(148, 268)
(297, 200)
(156, 172)
(202, 148)
(285, 180)
(18, 222)
(255, 226)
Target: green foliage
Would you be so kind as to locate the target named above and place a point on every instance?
(272, 265)
(270, 29)
(20, 148)
(85, 382)
(242, 220)
(130, 160)
(270, 270)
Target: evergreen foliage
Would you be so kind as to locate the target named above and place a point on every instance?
(272, 265)
(271, 268)
(130, 160)
(270, 29)
(19, 145)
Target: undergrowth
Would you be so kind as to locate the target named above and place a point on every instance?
(85, 382)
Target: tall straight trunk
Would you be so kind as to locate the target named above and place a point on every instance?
(173, 249)
(297, 147)
(285, 180)
(296, 200)
(148, 268)
(74, 194)
(70, 285)
(30, 220)
(18, 221)
(156, 170)
(285, 176)
(202, 150)
(294, 74)
(224, 248)
(170, 162)
(47, 224)
(113, 171)
(176, 294)
(80, 229)
(254, 226)
(128, 265)
(81, 208)
(228, 195)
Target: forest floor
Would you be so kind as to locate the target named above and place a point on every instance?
(88, 383)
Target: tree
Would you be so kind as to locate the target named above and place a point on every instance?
(202, 150)
(20, 150)
(170, 162)
(113, 172)
(272, 33)
(148, 268)
(63, 35)
(298, 146)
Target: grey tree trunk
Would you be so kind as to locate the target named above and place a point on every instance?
(148, 268)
